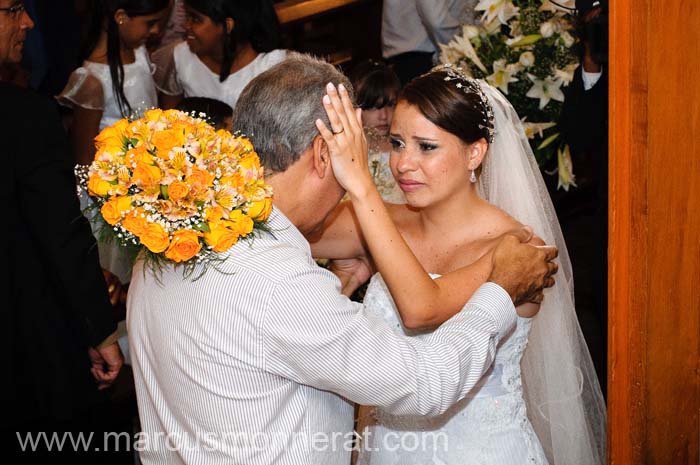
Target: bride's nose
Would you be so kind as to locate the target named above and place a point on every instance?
(405, 162)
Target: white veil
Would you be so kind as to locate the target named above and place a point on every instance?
(564, 399)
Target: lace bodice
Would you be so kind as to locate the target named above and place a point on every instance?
(480, 427)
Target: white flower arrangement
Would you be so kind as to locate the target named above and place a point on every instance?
(525, 49)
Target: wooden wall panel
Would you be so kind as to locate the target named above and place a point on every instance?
(654, 345)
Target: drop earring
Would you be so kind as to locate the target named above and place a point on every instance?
(472, 178)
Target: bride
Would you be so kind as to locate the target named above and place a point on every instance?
(460, 155)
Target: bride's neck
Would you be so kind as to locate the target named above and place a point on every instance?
(452, 214)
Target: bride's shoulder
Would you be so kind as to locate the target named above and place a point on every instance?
(401, 214)
(499, 221)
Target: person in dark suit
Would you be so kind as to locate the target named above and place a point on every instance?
(584, 126)
(59, 347)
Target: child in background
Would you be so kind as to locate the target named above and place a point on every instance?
(114, 82)
(229, 42)
(219, 114)
(376, 89)
(116, 77)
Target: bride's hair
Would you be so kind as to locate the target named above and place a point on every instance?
(451, 103)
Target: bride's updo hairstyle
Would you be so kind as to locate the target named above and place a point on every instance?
(453, 102)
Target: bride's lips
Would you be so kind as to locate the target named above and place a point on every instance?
(408, 185)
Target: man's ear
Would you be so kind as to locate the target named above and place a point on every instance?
(230, 23)
(476, 153)
(321, 157)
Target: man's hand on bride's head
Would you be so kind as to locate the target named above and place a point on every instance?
(523, 266)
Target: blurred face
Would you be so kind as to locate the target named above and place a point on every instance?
(428, 163)
(204, 36)
(136, 30)
(379, 119)
(14, 25)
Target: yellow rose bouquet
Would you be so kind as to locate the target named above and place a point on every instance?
(173, 187)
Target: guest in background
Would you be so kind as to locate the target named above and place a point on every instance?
(172, 27)
(218, 114)
(59, 351)
(377, 88)
(584, 126)
(114, 82)
(53, 46)
(229, 42)
(412, 31)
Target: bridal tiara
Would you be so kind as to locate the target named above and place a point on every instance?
(470, 85)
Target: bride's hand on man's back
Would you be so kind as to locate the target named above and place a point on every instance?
(524, 268)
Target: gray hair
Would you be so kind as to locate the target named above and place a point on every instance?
(277, 110)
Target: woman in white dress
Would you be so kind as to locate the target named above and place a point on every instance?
(462, 159)
(114, 82)
(229, 42)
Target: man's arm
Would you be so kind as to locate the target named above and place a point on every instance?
(438, 20)
(315, 336)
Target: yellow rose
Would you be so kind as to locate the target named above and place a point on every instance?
(166, 139)
(97, 186)
(249, 161)
(220, 237)
(199, 177)
(213, 213)
(185, 245)
(153, 115)
(177, 190)
(145, 176)
(235, 181)
(239, 223)
(154, 238)
(135, 221)
(139, 154)
(112, 137)
(260, 210)
(113, 210)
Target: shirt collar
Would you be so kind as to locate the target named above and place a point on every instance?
(284, 231)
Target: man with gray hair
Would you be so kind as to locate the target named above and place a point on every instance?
(260, 361)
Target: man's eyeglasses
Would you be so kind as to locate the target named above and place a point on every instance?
(14, 10)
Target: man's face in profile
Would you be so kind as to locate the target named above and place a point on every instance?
(14, 24)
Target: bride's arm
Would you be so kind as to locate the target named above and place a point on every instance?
(420, 300)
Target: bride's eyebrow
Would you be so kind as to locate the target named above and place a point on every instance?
(424, 139)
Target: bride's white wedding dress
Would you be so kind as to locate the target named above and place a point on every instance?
(488, 427)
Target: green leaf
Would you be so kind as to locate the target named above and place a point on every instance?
(164, 191)
(548, 141)
(527, 40)
(202, 227)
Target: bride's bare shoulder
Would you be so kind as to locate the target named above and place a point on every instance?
(401, 214)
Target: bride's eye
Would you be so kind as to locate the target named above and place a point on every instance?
(427, 147)
(396, 144)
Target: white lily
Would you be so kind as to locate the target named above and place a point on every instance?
(527, 59)
(449, 54)
(501, 9)
(545, 90)
(547, 29)
(567, 39)
(492, 28)
(503, 74)
(566, 6)
(533, 129)
(566, 75)
(566, 169)
(465, 47)
(470, 31)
